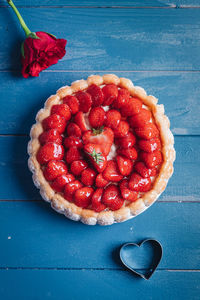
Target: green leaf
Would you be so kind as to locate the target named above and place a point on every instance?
(96, 156)
(33, 36)
(51, 34)
(98, 130)
(22, 49)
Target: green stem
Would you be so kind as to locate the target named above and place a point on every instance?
(23, 24)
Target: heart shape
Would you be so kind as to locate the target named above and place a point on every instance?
(144, 256)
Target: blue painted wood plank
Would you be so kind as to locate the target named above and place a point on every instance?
(21, 99)
(122, 39)
(33, 235)
(93, 284)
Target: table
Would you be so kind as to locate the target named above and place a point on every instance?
(43, 255)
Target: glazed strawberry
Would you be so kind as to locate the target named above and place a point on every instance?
(70, 189)
(59, 183)
(72, 102)
(126, 142)
(97, 117)
(82, 196)
(100, 181)
(141, 169)
(131, 107)
(110, 92)
(54, 122)
(148, 131)
(96, 156)
(50, 136)
(111, 197)
(123, 97)
(73, 141)
(126, 193)
(78, 166)
(97, 205)
(139, 184)
(80, 120)
(54, 169)
(149, 145)
(122, 129)
(125, 165)
(111, 172)
(85, 101)
(49, 152)
(74, 130)
(62, 110)
(113, 118)
(129, 153)
(97, 95)
(152, 159)
(88, 176)
(138, 120)
(72, 154)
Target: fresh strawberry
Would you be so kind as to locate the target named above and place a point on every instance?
(149, 145)
(111, 197)
(100, 181)
(110, 92)
(62, 110)
(70, 189)
(49, 152)
(72, 154)
(96, 156)
(138, 120)
(96, 93)
(74, 130)
(80, 120)
(73, 141)
(113, 118)
(123, 97)
(126, 193)
(125, 165)
(54, 122)
(129, 153)
(54, 169)
(82, 196)
(72, 102)
(50, 136)
(152, 159)
(126, 142)
(96, 117)
(85, 101)
(131, 107)
(111, 172)
(139, 184)
(78, 166)
(147, 131)
(88, 176)
(122, 129)
(141, 169)
(97, 205)
(59, 183)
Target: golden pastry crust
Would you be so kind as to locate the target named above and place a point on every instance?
(107, 217)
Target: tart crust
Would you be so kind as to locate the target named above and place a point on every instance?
(87, 216)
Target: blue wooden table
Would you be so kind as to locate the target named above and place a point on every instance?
(43, 255)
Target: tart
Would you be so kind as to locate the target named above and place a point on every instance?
(101, 150)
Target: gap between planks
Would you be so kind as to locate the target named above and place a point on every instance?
(107, 71)
(172, 6)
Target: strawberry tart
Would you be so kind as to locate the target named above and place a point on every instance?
(101, 150)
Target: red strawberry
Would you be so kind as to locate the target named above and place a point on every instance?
(54, 122)
(50, 136)
(148, 131)
(62, 110)
(72, 154)
(78, 166)
(111, 172)
(149, 145)
(96, 94)
(54, 169)
(97, 205)
(73, 129)
(80, 120)
(59, 183)
(73, 141)
(141, 169)
(138, 120)
(126, 142)
(88, 176)
(110, 92)
(139, 184)
(82, 196)
(126, 193)
(129, 153)
(131, 107)
(113, 118)
(125, 165)
(152, 159)
(72, 102)
(111, 197)
(122, 129)
(70, 189)
(123, 97)
(100, 181)
(96, 156)
(85, 101)
(49, 152)
(96, 117)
